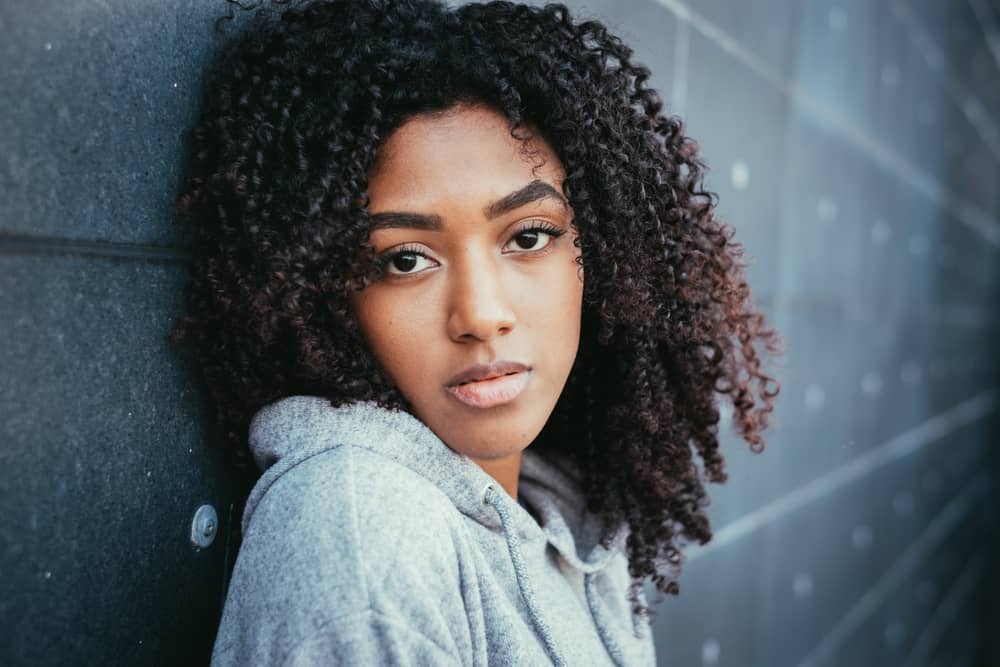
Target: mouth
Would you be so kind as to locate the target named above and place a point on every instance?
(492, 377)
(485, 372)
(491, 392)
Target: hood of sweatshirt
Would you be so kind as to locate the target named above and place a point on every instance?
(289, 431)
(292, 429)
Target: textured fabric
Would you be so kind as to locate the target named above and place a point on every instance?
(368, 541)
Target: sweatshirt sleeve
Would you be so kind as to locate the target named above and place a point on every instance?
(369, 638)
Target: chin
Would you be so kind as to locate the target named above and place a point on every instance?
(494, 445)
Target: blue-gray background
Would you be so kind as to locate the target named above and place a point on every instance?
(855, 146)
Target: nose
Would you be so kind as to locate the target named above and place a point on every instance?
(479, 306)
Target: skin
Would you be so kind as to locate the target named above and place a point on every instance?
(483, 291)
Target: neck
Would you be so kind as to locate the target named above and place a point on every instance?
(504, 470)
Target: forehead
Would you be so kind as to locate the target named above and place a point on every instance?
(466, 154)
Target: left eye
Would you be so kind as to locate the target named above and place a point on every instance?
(528, 239)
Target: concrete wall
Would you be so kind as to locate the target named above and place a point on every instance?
(102, 439)
(855, 146)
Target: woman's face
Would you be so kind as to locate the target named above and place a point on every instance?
(478, 281)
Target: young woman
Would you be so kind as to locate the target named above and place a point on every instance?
(459, 294)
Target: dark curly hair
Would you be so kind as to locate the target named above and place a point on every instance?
(295, 110)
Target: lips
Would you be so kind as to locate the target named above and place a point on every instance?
(493, 392)
(487, 371)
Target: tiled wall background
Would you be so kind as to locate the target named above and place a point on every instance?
(855, 146)
(102, 448)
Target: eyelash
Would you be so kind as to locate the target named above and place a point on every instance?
(547, 228)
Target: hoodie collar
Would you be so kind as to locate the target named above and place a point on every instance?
(553, 485)
(292, 429)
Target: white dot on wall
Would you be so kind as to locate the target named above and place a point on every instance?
(802, 585)
(861, 537)
(815, 396)
(902, 503)
(890, 75)
(48, 46)
(934, 57)
(973, 108)
(924, 592)
(871, 385)
(911, 373)
(919, 245)
(826, 209)
(837, 19)
(881, 232)
(739, 173)
(895, 633)
(710, 652)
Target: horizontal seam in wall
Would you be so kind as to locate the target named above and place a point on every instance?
(19, 244)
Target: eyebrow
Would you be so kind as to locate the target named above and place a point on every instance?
(535, 191)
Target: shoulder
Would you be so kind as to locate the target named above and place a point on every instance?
(350, 503)
(343, 534)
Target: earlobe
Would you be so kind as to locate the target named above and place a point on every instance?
(580, 272)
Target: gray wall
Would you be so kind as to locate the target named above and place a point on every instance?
(102, 441)
(855, 147)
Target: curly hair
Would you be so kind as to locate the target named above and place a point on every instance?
(293, 115)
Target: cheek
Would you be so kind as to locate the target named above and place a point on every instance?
(558, 310)
(390, 328)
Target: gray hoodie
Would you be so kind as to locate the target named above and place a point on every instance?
(368, 541)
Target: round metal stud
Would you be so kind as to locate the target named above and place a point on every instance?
(204, 526)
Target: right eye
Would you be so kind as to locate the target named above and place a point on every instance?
(402, 262)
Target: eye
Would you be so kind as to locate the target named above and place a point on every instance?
(406, 260)
(528, 238)
(402, 261)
